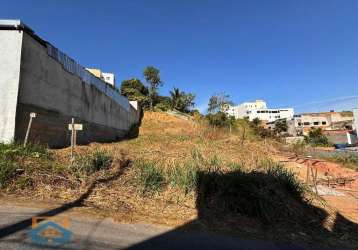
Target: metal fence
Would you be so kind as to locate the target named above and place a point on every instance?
(73, 67)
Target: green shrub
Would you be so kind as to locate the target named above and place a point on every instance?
(215, 161)
(7, 171)
(196, 155)
(149, 177)
(266, 195)
(184, 177)
(11, 154)
(14, 150)
(287, 179)
(236, 166)
(316, 138)
(89, 164)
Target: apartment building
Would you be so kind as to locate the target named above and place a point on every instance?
(303, 123)
(107, 77)
(258, 109)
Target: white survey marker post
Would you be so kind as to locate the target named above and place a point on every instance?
(74, 127)
(32, 115)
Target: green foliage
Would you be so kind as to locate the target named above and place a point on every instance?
(184, 177)
(280, 126)
(256, 194)
(162, 103)
(10, 155)
(181, 101)
(152, 77)
(236, 166)
(149, 177)
(7, 171)
(256, 122)
(255, 125)
(13, 150)
(286, 178)
(217, 102)
(316, 138)
(195, 113)
(90, 163)
(219, 119)
(134, 90)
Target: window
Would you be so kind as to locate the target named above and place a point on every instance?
(316, 123)
(306, 123)
(258, 111)
(324, 123)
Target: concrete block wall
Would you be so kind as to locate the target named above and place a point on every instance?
(40, 84)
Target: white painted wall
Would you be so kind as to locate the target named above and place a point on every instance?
(271, 115)
(355, 119)
(258, 109)
(109, 78)
(10, 59)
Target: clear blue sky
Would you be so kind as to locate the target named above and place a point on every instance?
(289, 52)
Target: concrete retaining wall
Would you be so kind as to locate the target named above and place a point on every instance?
(56, 96)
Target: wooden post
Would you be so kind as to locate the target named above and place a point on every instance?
(74, 127)
(32, 115)
(314, 178)
(308, 173)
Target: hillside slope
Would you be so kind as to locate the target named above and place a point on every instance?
(182, 173)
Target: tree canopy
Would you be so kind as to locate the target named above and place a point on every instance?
(134, 90)
(217, 102)
(152, 77)
(181, 101)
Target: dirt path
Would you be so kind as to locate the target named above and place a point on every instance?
(342, 197)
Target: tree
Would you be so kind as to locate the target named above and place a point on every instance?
(316, 137)
(162, 103)
(255, 122)
(218, 119)
(176, 96)
(280, 126)
(217, 102)
(134, 90)
(152, 77)
(181, 101)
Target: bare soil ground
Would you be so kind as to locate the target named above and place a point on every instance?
(347, 203)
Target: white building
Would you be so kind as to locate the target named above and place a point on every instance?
(107, 77)
(258, 109)
(355, 119)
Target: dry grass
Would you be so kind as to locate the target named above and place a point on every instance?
(172, 144)
(166, 156)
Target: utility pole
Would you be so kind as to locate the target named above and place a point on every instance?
(32, 115)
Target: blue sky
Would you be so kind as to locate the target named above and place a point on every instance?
(290, 53)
